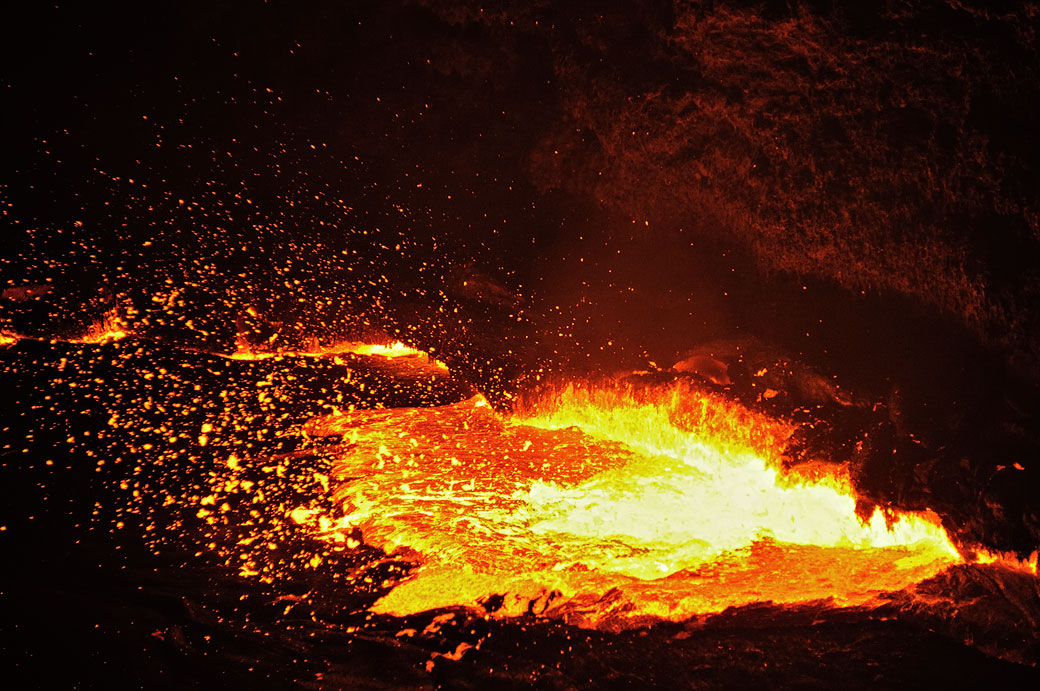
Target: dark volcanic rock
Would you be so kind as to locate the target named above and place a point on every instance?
(994, 607)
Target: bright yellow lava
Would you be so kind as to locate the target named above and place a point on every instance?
(388, 350)
(610, 505)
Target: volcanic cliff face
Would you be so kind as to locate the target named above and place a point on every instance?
(885, 150)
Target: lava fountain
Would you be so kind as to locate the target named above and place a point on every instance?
(611, 506)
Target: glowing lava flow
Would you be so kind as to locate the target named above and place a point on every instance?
(390, 350)
(395, 351)
(110, 328)
(607, 506)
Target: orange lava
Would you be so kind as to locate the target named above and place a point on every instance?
(611, 505)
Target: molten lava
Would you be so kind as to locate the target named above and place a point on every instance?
(608, 505)
(394, 351)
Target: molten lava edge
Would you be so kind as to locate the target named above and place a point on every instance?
(610, 507)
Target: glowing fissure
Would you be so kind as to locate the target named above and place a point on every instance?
(105, 330)
(671, 497)
(396, 351)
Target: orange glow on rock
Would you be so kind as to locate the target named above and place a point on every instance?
(610, 505)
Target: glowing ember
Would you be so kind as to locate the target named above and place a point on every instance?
(7, 339)
(669, 501)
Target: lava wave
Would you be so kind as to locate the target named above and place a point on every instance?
(611, 506)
